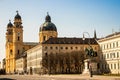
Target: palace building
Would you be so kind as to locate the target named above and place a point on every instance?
(110, 57)
(51, 54)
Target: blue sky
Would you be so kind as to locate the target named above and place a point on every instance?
(71, 17)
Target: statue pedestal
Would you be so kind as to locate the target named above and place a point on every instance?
(86, 71)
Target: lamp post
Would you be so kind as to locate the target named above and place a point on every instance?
(84, 36)
(87, 62)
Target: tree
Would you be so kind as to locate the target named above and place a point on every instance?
(70, 62)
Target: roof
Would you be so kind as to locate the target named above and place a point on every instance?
(31, 43)
(17, 16)
(116, 33)
(48, 25)
(22, 55)
(70, 41)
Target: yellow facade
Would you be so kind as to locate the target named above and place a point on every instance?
(14, 43)
(15, 46)
(45, 35)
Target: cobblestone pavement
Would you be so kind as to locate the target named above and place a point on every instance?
(56, 77)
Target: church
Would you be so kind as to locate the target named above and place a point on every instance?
(52, 54)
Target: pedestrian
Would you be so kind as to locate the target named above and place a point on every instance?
(91, 73)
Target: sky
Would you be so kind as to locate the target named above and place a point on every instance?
(71, 17)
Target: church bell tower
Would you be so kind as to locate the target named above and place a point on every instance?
(14, 43)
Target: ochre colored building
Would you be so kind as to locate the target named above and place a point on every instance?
(14, 43)
(49, 43)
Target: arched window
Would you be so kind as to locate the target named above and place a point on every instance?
(46, 54)
(44, 38)
(18, 38)
(18, 52)
(11, 51)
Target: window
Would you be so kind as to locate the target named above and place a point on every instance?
(114, 66)
(107, 55)
(45, 47)
(11, 51)
(8, 40)
(110, 45)
(113, 55)
(104, 56)
(71, 47)
(66, 47)
(107, 46)
(18, 52)
(76, 47)
(111, 66)
(113, 45)
(18, 38)
(104, 66)
(44, 38)
(104, 46)
(61, 47)
(56, 47)
(101, 47)
(116, 44)
(117, 54)
(110, 55)
(51, 47)
(118, 65)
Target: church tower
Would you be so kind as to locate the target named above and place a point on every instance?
(17, 37)
(47, 30)
(9, 47)
(14, 43)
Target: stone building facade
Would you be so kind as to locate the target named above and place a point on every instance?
(110, 57)
(54, 47)
(52, 54)
(43, 58)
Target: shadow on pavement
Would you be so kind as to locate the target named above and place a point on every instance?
(6, 79)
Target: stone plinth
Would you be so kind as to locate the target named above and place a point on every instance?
(86, 71)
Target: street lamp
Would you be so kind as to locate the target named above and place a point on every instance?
(84, 36)
(88, 67)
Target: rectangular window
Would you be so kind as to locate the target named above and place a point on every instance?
(44, 38)
(18, 38)
(111, 66)
(51, 47)
(116, 44)
(104, 46)
(107, 55)
(110, 55)
(117, 54)
(113, 55)
(110, 45)
(107, 46)
(113, 45)
(114, 66)
(18, 52)
(118, 65)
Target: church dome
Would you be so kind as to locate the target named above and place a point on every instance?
(48, 25)
(17, 16)
(9, 25)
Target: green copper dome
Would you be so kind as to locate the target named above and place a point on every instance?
(17, 16)
(48, 25)
(9, 25)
